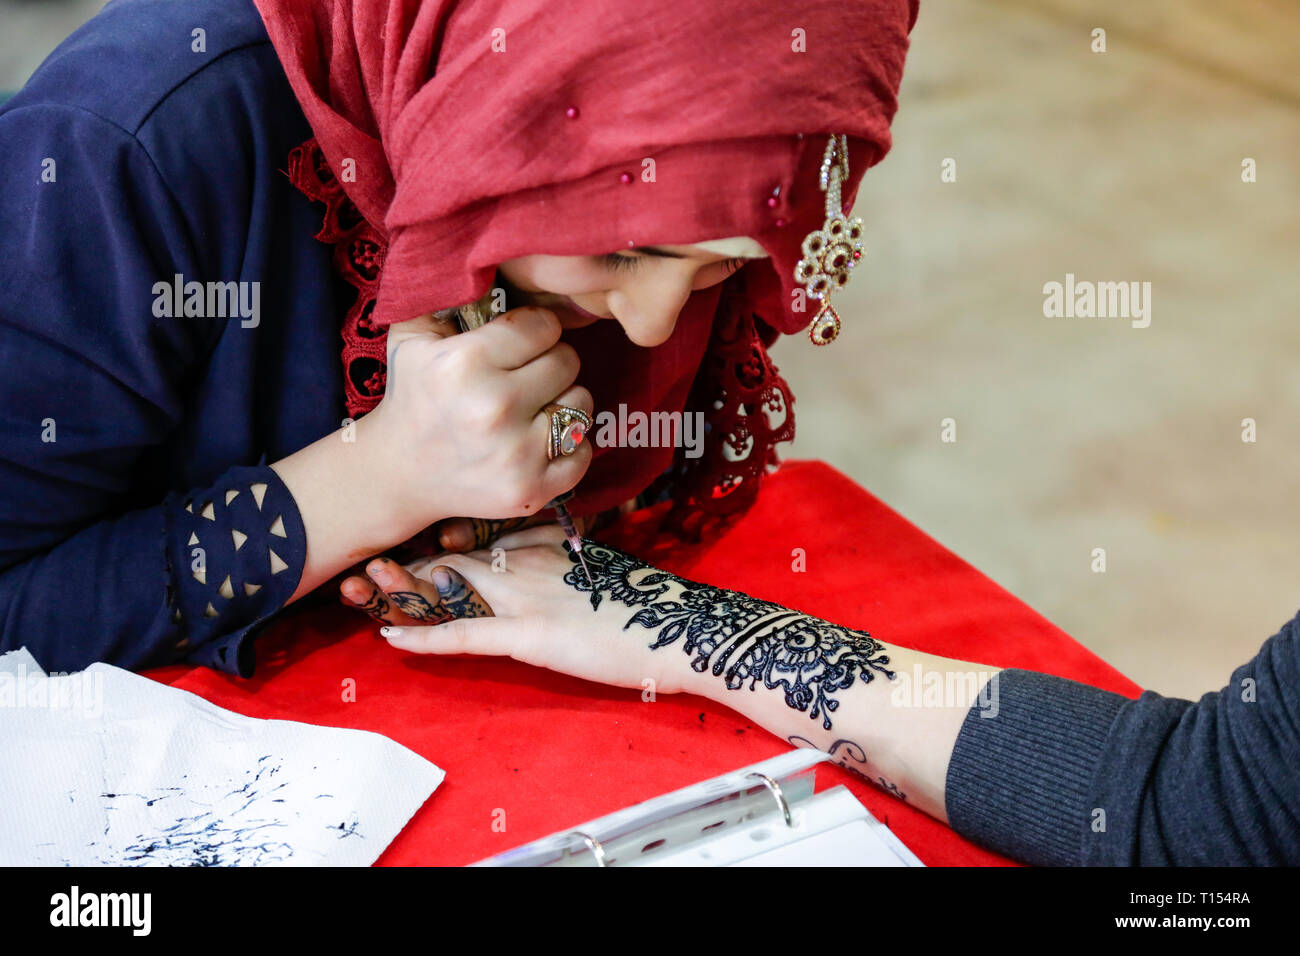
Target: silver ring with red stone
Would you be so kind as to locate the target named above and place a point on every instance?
(568, 428)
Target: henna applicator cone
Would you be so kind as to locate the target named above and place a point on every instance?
(570, 531)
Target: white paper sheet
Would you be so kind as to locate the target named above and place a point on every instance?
(105, 767)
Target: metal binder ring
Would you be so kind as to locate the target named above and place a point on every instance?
(594, 846)
(776, 792)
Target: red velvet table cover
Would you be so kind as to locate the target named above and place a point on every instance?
(536, 752)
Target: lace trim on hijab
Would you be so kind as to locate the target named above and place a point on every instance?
(748, 408)
(747, 405)
(359, 250)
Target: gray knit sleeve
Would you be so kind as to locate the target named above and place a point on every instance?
(1055, 772)
(1021, 770)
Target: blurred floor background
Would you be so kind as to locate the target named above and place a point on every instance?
(1072, 434)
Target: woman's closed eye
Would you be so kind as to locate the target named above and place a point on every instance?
(630, 263)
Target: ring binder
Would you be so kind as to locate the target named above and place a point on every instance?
(776, 792)
(728, 821)
(594, 846)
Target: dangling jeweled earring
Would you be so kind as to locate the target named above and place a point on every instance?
(831, 252)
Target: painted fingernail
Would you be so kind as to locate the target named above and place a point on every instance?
(391, 631)
(442, 581)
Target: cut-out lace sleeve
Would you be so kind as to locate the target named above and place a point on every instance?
(235, 554)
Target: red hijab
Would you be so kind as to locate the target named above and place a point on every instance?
(468, 133)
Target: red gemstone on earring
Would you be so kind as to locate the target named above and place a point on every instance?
(825, 327)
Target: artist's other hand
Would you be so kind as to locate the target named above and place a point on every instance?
(541, 617)
(461, 421)
(475, 534)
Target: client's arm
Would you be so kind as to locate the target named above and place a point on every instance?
(887, 713)
(1044, 769)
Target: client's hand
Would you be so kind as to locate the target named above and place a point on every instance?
(543, 612)
(384, 588)
(391, 594)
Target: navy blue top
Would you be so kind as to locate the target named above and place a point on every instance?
(139, 522)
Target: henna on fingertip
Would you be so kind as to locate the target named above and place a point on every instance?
(407, 594)
(456, 594)
(376, 605)
(419, 608)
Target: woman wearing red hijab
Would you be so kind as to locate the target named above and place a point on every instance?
(625, 144)
(206, 196)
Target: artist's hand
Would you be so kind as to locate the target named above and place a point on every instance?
(461, 421)
(543, 616)
(475, 534)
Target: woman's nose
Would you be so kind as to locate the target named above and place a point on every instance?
(650, 317)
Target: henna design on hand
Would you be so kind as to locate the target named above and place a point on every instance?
(376, 605)
(418, 607)
(734, 636)
(459, 599)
